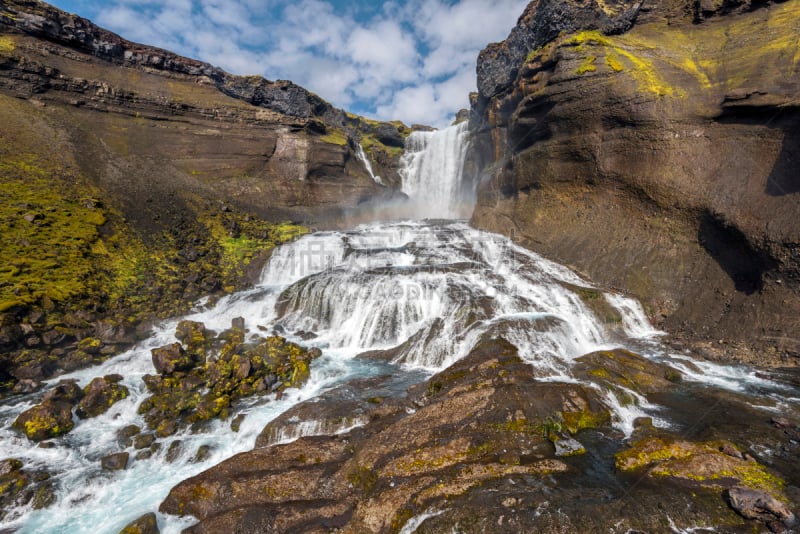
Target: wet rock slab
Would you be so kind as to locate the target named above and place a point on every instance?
(486, 446)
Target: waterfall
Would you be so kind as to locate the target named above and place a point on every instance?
(432, 172)
(362, 157)
(413, 296)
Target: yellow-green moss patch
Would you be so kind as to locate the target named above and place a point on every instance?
(7, 44)
(587, 65)
(335, 137)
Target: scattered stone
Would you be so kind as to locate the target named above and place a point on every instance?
(171, 358)
(208, 389)
(203, 454)
(44, 496)
(143, 441)
(174, 451)
(125, 435)
(237, 422)
(12, 485)
(115, 462)
(65, 391)
(730, 450)
(194, 336)
(238, 323)
(147, 524)
(99, 396)
(782, 422)
(167, 428)
(90, 345)
(757, 504)
(305, 336)
(25, 386)
(9, 466)
(144, 455)
(567, 446)
(47, 420)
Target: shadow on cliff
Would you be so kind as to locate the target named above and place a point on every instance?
(784, 179)
(729, 247)
(785, 176)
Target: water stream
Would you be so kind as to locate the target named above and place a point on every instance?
(424, 291)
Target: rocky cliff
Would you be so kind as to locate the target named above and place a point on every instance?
(655, 146)
(135, 181)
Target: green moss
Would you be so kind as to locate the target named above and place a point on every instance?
(253, 236)
(587, 65)
(642, 69)
(39, 428)
(46, 234)
(7, 44)
(577, 421)
(363, 478)
(371, 144)
(614, 63)
(335, 137)
(670, 458)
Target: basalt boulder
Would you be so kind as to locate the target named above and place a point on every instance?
(50, 419)
(100, 395)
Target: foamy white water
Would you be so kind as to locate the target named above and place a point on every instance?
(432, 171)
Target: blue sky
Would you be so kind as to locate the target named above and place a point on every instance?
(411, 60)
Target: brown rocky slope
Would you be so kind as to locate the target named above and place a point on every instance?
(484, 446)
(654, 146)
(135, 181)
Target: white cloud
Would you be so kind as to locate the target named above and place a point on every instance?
(410, 60)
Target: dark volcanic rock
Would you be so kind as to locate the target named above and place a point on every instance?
(147, 524)
(470, 427)
(543, 21)
(49, 419)
(757, 504)
(99, 396)
(65, 391)
(171, 358)
(115, 462)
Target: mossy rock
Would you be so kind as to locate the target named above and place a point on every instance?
(99, 396)
(47, 420)
(171, 358)
(717, 464)
(90, 345)
(65, 391)
(194, 337)
(12, 486)
(146, 524)
(629, 370)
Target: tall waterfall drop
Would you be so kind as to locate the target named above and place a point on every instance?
(432, 171)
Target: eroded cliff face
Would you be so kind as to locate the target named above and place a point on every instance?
(135, 181)
(271, 146)
(655, 146)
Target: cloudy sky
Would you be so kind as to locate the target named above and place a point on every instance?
(411, 60)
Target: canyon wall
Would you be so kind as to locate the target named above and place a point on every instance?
(655, 146)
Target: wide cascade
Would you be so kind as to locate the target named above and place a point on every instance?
(405, 298)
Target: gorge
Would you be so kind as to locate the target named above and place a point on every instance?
(418, 373)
